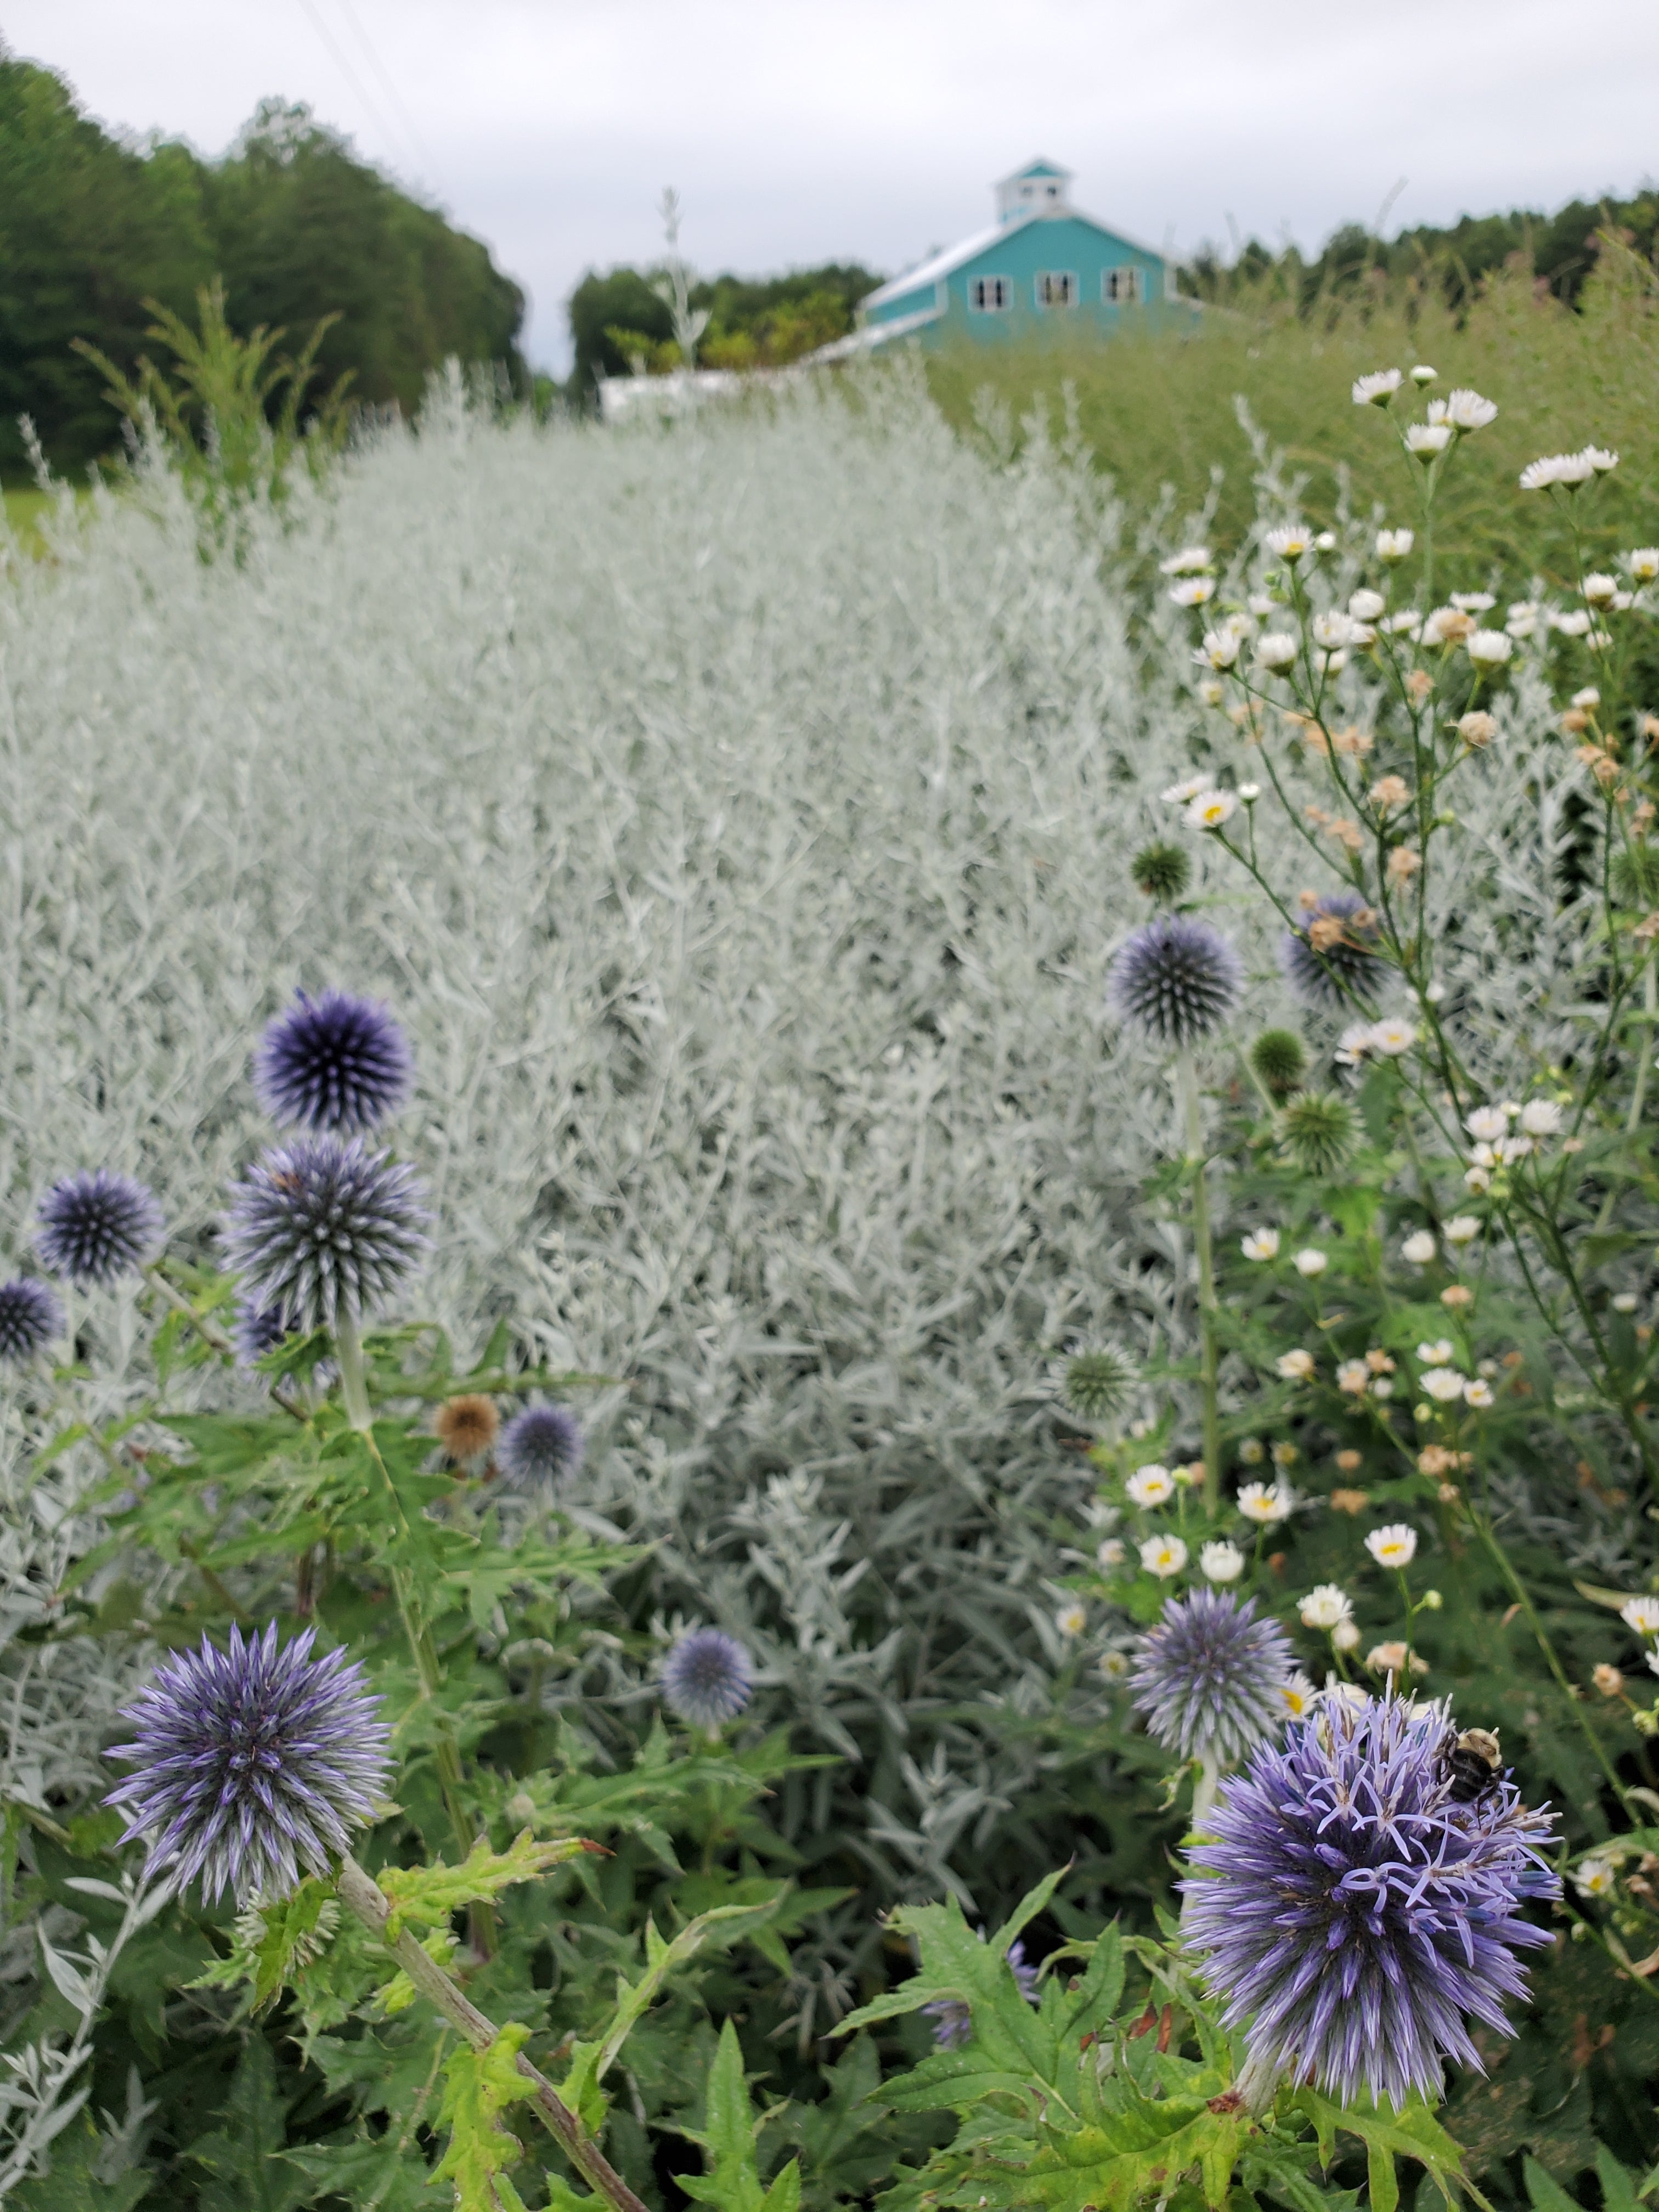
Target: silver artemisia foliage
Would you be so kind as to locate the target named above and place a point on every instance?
(747, 910)
(255, 1763)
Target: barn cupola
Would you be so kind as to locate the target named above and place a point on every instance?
(1040, 188)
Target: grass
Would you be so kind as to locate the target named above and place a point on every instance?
(1161, 418)
(23, 512)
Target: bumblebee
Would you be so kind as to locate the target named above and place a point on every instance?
(1473, 1766)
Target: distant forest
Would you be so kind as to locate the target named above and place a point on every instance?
(296, 226)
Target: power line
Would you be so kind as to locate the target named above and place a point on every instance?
(349, 11)
(347, 70)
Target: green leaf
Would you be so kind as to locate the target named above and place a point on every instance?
(731, 2178)
(1618, 2192)
(952, 2081)
(478, 2087)
(245, 2167)
(1411, 2133)
(270, 1942)
(957, 1965)
(1095, 2002)
(1546, 2196)
(1383, 2181)
(77, 2179)
(426, 1897)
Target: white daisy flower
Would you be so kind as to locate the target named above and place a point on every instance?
(1367, 606)
(1346, 1636)
(1473, 602)
(1353, 1376)
(1333, 628)
(1311, 1261)
(1376, 389)
(1327, 1605)
(1219, 648)
(1299, 1697)
(1179, 793)
(1276, 651)
(1266, 1503)
(1487, 1123)
(1419, 1247)
(1477, 1394)
(1468, 411)
(1594, 1878)
(1425, 440)
(1191, 561)
(1110, 1553)
(1490, 648)
(1462, 1229)
(1295, 1366)
(1541, 1118)
(1394, 544)
(1393, 1035)
(1393, 1547)
(1070, 1619)
(1211, 810)
(1194, 590)
(1590, 696)
(1422, 373)
(1220, 1562)
(1626, 1302)
(1644, 563)
(1440, 1353)
(1598, 459)
(1261, 1244)
(1569, 469)
(1150, 1486)
(1574, 624)
(1163, 1556)
(1353, 1044)
(1640, 1614)
(1291, 541)
(1444, 1384)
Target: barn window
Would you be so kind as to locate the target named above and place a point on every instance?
(1119, 285)
(989, 295)
(1057, 288)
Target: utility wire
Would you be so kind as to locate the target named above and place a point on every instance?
(347, 70)
(387, 85)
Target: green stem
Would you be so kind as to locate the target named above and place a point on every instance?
(1194, 1131)
(209, 1332)
(354, 1382)
(364, 1897)
(1638, 1096)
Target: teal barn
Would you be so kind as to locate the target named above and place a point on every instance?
(1043, 266)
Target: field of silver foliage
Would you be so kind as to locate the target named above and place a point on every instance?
(737, 815)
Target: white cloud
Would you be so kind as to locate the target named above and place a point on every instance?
(801, 130)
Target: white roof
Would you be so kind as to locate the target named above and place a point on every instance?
(868, 336)
(941, 264)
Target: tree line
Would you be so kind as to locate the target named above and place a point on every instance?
(292, 223)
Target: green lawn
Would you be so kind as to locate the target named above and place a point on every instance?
(23, 511)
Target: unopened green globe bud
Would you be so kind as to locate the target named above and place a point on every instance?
(1280, 1059)
(1647, 1722)
(520, 1807)
(1431, 1601)
(1161, 870)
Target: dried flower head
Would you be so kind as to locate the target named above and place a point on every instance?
(707, 1678)
(1098, 1384)
(324, 1225)
(467, 1427)
(96, 1226)
(1354, 1914)
(1205, 1677)
(1318, 1131)
(540, 1446)
(335, 1063)
(1331, 952)
(1279, 1058)
(1177, 979)
(1161, 870)
(30, 1314)
(254, 1764)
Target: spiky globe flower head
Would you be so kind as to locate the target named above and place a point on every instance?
(1177, 979)
(1161, 870)
(256, 1328)
(708, 1679)
(1353, 1915)
(1207, 1678)
(1329, 954)
(466, 1426)
(254, 1765)
(334, 1062)
(1318, 1131)
(1279, 1058)
(322, 1226)
(30, 1314)
(96, 1226)
(541, 1445)
(1098, 1384)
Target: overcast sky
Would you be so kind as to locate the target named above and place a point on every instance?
(803, 131)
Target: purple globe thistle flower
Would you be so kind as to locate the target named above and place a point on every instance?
(30, 1314)
(1347, 966)
(254, 1765)
(1176, 978)
(334, 1062)
(953, 2021)
(708, 1679)
(542, 1445)
(1205, 1677)
(1354, 1913)
(96, 1226)
(257, 1328)
(321, 1226)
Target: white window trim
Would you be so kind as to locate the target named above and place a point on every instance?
(1138, 293)
(978, 307)
(1047, 275)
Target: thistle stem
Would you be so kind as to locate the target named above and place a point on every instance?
(1204, 1789)
(363, 1896)
(354, 1383)
(1187, 1079)
(209, 1332)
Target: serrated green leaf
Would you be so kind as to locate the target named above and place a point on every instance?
(478, 2087)
(1381, 2177)
(1545, 2196)
(243, 2159)
(1618, 2190)
(957, 1965)
(1095, 2002)
(731, 2178)
(1412, 2132)
(426, 1897)
(952, 2081)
